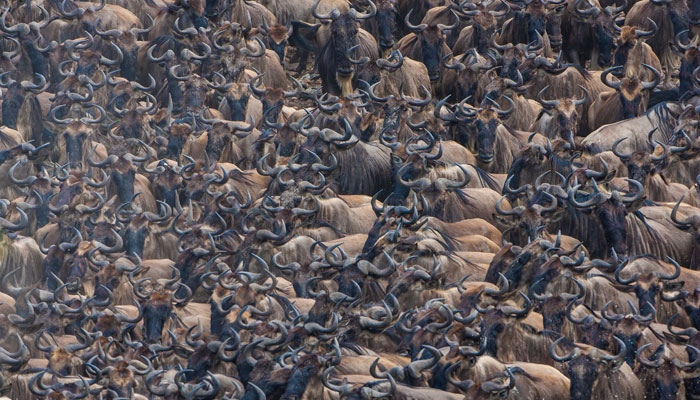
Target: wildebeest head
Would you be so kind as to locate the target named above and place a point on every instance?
(344, 32)
(477, 127)
(393, 110)
(165, 181)
(528, 165)
(384, 25)
(341, 44)
(641, 165)
(691, 304)
(554, 307)
(77, 135)
(662, 373)
(196, 90)
(219, 136)
(431, 46)
(467, 68)
(527, 222)
(520, 264)
(426, 328)
(206, 354)
(15, 95)
(157, 312)
(628, 328)
(535, 14)
(649, 287)
(502, 322)
(277, 38)
(610, 210)
(62, 359)
(629, 46)
(178, 133)
(236, 97)
(689, 63)
(232, 40)
(630, 90)
(604, 28)
(586, 365)
(133, 123)
(272, 100)
(564, 115)
(127, 42)
(485, 22)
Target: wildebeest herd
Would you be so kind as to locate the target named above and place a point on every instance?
(348, 199)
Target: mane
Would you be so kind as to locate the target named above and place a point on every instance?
(486, 179)
(666, 120)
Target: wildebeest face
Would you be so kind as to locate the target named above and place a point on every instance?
(203, 359)
(218, 138)
(165, 185)
(52, 266)
(124, 182)
(178, 136)
(12, 101)
(640, 167)
(605, 37)
(196, 92)
(486, 124)
(630, 98)
(536, 18)
(121, 380)
(237, 99)
(75, 135)
(155, 313)
(386, 23)
(108, 325)
(277, 40)
(597, 334)
(196, 187)
(612, 218)
(393, 110)
(494, 324)
(566, 118)
(553, 26)
(410, 173)
(689, 62)
(691, 305)
(630, 332)
(431, 40)
(286, 142)
(583, 372)
(135, 238)
(131, 126)
(68, 194)
(86, 66)
(343, 37)
(512, 61)
(554, 313)
(102, 232)
(62, 361)
(665, 380)
(78, 268)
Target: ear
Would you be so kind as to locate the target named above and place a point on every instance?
(503, 220)
(367, 120)
(673, 286)
(623, 288)
(558, 215)
(614, 366)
